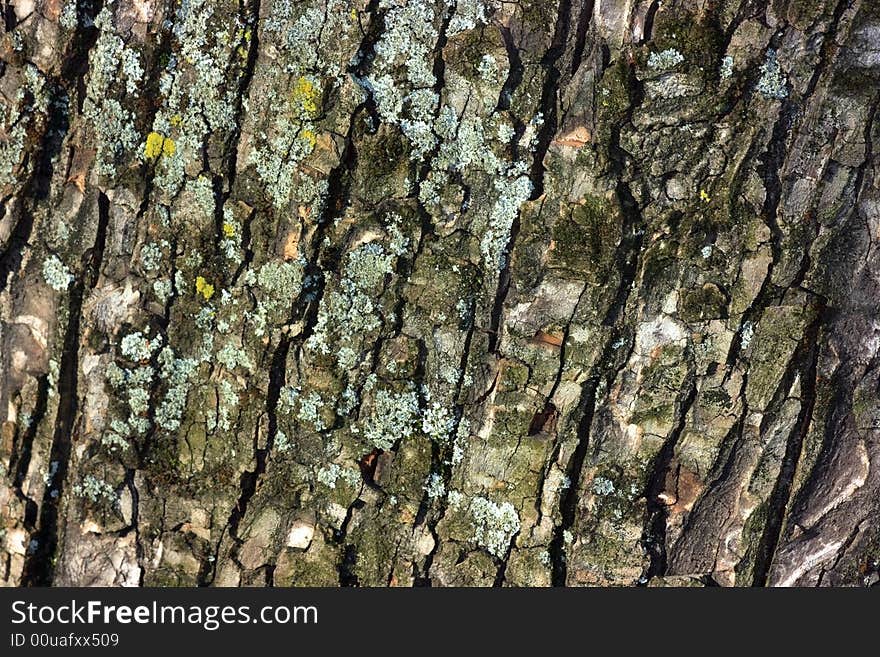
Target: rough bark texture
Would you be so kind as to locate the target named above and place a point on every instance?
(426, 292)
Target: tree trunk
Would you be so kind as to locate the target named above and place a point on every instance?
(423, 292)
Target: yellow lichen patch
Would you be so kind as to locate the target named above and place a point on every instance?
(309, 137)
(175, 120)
(204, 288)
(228, 230)
(306, 95)
(153, 148)
(158, 144)
(704, 196)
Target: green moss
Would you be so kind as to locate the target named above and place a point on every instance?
(585, 240)
(698, 39)
(318, 566)
(804, 13)
(752, 532)
(510, 424)
(702, 303)
(654, 409)
(612, 95)
(774, 341)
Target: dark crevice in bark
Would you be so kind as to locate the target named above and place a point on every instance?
(807, 357)
(583, 27)
(445, 455)
(563, 347)
(501, 573)
(515, 70)
(771, 163)
(585, 411)
(859, 182)
(97, 252)
(336, 201)
(439, 73)
(721, 470)
(76, 61)
(10, 20)
(246, 246)
(11, 258)
(249, 13)
(549, 95)
(497, 313)
(36, 186)
(269, 581)
(547, 108)
(648, 27)
(842, 381)
(632, 233)
(746, 10)
(21, 454)
(348, 554)
(347, 574)
(657, 512)
(838, 414)
(405, 266)
(135, 520)
(39, 567)
(605, 371)
(250, 479)
(829, 46)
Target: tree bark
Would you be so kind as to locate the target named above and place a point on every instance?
(423, 292)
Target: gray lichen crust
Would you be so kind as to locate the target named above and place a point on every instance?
(438, 292)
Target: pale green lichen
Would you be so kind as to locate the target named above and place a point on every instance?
(726, 67)
(407, 42)
(162, 288)
(280, 282)
(349, 314)
(227, 403)
(772, 83)
(455, 499)
(56, 274)
(133, 385)
(310, 411)
(95, 489)
(232, 356)
(137, 347)
(435, 487)
(68, 17)
(488, 68)
(205, 104)
(393, 417)
(511, 196)
(468, 15)
(664, 60)
(151, 256)
(31, 103)
(114, 442)
(494, 525)
(282, 443)
(601, 486)
(112, 64)
(329, 475)
(176, 374)
(437, 422)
